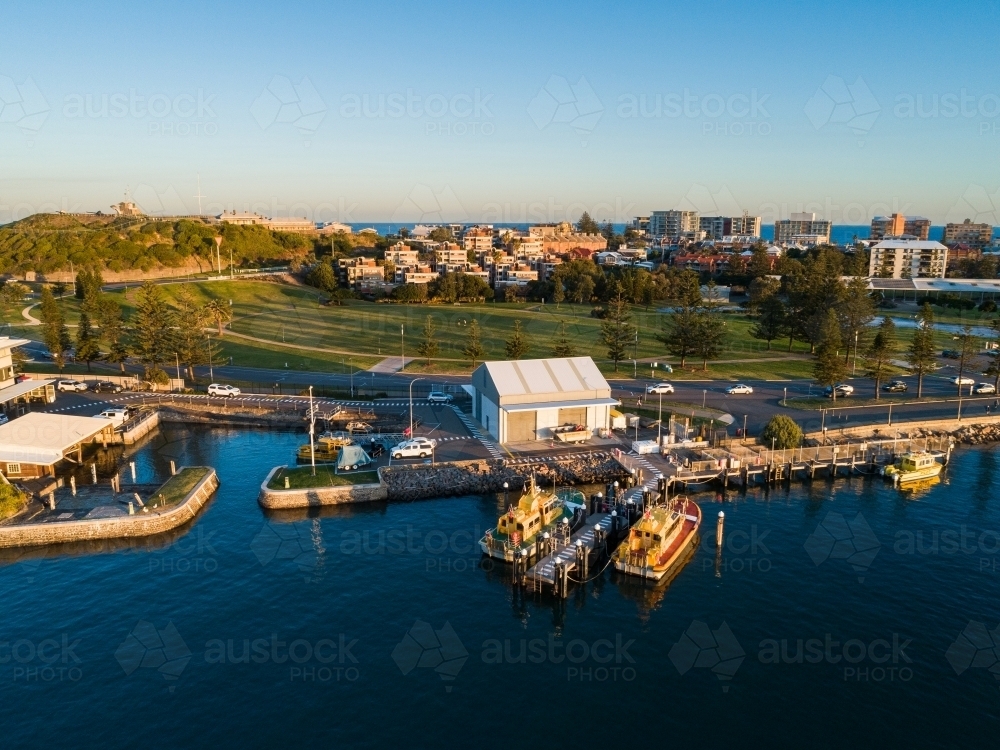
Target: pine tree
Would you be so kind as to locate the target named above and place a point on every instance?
(428, 347)
(617, 331)
(878, 356)
(87, 349)
(112, 322)
(153, 331)
(191, 345)
(473, 344)
(562, 347)
(921, 355)
(711, 333)
(856, 310)
(54, 332)
(829, 369)
(968, 347)
(772, 321)
(680, 332)
(517, 345)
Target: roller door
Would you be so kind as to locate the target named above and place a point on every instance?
(573, 416)
(520, 426)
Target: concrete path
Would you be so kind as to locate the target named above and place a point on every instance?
(390, 365)
(26, 314)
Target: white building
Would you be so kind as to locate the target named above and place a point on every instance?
(908, 259)
(523, 400)
(13, 393)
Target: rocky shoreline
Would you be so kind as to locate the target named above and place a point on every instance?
(977, 434)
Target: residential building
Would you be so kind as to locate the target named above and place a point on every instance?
(478, 238)
(335, 227)
(640, 224)
(13, 393)
(801, 224)
(283, 224)
(718, 227)
(524, 400)
(897, 225)
(450, 253)
(563, 238)
(673, 223)
(714, 226)
(908, 259)
(968, 233)
(401, 256)
(418, 275)
(745, 225)
(361, 273)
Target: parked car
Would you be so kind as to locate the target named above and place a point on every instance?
(73, 386)
(963, 381)
(843, 389)
(3, 418)
(415, 448)
(739, 389)
(951, 354)
(117, 414)
(22, 378)
(896, 386)
(984, 388)
(106, 386)
(440, 397)
(665, 367)
(660, 388)
(218, 389)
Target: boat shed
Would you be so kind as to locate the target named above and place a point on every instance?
(31, 446)
(523, 400)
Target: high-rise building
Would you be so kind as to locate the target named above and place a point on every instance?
(908, 259)
(801, 224)
(745, 225)
(898, 225)
(718, 227)
(714, 226)
(967, 233)
(673, 223)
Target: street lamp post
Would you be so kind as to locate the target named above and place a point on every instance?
(784, 399)
(402, 350)
(704, 395)
(744, 429)
(659, 423)
(351, 363)
(411, 404)
(312, 430)
(208, 341)
(854, 370)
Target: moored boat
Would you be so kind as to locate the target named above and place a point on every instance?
(657, 542)
(326, 448)
(914, 466)
(536, 512)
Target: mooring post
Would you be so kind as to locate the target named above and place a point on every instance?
(173, 467)
(132, 467)
(93, 473)
(72, 485)
(719, 524)
(52, 501)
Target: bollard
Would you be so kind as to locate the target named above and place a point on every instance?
(287, 485)
(718, 530)
(52, 501)
(132, 466)
(614, 522)
(138, 499)
(131, 509)
(72, 485)
(545, 544)
(93, 473)
(173, 467)
(524, 567)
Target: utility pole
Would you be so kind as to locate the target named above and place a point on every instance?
(402, 353)
(178, 357)
(659, 423)
(312, 430)
(208, 341)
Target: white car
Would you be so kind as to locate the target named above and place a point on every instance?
(439, 397)
(660, 388)
(73, 386)
(984, 388)
(739, 389)
(218, 389)
(117, 415)
(963, 381)
(416, 448)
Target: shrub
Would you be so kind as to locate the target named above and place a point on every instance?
(783, 430)
(12, 501)
(156, 376)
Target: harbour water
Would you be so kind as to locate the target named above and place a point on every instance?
(837, 613)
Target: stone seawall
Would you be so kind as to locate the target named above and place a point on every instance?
(140, 525)
(487, 476)
(971, 430)
(284, 499)
(180, 415)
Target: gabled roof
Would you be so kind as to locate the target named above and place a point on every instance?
(43, 439)
(541, 380)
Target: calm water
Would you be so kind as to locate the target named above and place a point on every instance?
(376, 626)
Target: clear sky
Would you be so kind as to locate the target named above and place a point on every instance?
(391, 111)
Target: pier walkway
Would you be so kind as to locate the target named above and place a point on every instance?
(544, 571)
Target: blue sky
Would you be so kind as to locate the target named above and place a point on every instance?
(514, 112)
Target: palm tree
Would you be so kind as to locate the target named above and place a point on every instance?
(219, 312)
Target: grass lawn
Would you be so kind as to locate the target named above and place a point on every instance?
(301, 478)
(175, 489)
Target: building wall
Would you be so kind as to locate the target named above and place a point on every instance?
(490, 419)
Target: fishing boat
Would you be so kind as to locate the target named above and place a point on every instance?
(536, 512)
(327, 448)
(658, 540)
(913, 466)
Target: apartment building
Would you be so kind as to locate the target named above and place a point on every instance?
(908, 259)
(563, 238)
(717, 227)
(674, 223)
(803, 224)
(450, 253)
(479, 239)
(968, 233)
(401, 256)
(897, 225)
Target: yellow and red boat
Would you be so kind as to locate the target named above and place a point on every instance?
(657, 542)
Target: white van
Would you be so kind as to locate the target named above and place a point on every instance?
(117, 415)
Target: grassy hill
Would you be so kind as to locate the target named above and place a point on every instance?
(52, 242)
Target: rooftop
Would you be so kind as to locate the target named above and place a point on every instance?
(43, 439)
(570, 378)
(896, 242)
